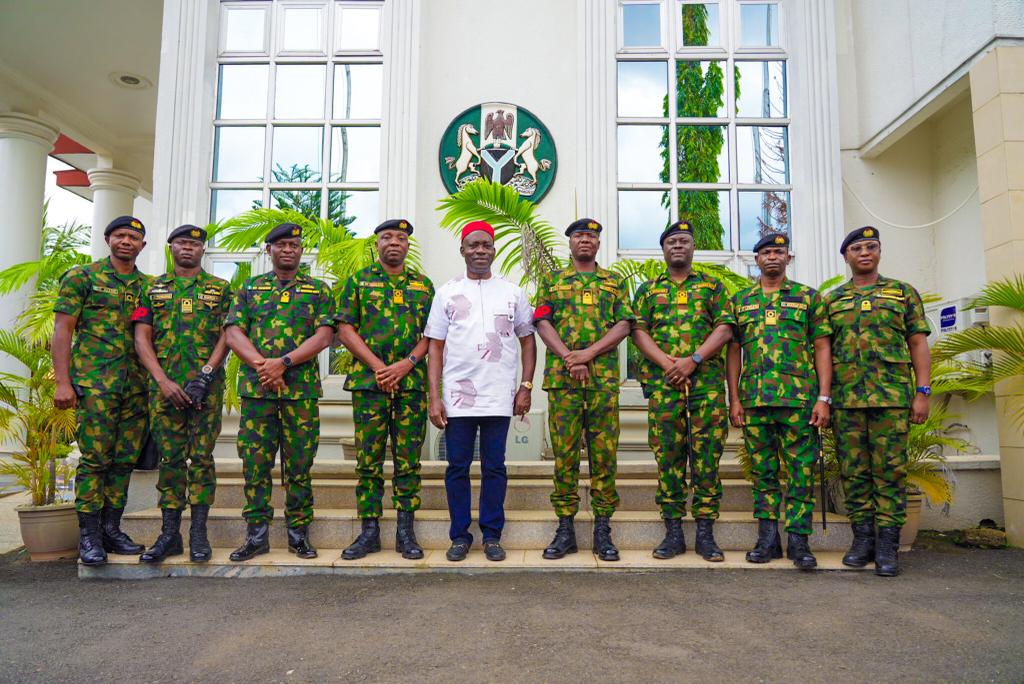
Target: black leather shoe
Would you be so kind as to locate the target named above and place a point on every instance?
(114, 540)
(862, 551)
(405, 537)
(169, 542)
(565, 540)
(368, 540)
(493, 551)
(887, 557)
(769, 544)
(604, 549)
(706, 545)
(674, 542)
(457, 551)
(90, 542)
(299, 543)
(798, 551)
(257, 542)
(198, 544)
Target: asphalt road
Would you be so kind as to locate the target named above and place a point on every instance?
(955, 615)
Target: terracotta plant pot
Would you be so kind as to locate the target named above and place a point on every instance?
(915, 501)
(49, 532)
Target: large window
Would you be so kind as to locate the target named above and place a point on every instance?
(702, 123)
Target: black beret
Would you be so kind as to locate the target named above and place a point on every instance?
(583, 224)
(677, 227)
(189, 231)
(284, 230)
(865, 233)
(394, 224)
(772, 240)
(125, 222)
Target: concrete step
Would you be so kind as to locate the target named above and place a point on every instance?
(524, 529)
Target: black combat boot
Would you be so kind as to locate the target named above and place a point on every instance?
(604, 549)
(198, 545)
(887, 557)
(368, 540)
(114, 540)
(405, 537)
(257, 541)
(169, 542)
(769, 544)
(862, 551)
(299, 543)
(564, 542)
(674, 542)
(798, 551)
(90, 542)
(706, 545)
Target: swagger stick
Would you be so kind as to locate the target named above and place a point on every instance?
(689, 435)
(821, 475)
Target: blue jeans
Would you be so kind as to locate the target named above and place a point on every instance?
(459, 438)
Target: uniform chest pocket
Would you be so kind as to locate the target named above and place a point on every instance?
(890, 313)
(792, 322)
(842, 313)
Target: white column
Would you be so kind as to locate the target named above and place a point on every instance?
(113, 195)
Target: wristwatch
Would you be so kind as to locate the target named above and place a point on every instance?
(926, 390)
(697, 358)
(206, 370)
(412, 357)
(287, 361)
(827, 400)
(527, 385)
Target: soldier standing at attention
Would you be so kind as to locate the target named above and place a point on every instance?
(382, 312)
(782, 344)
(101, 378)
(879, 333)
(584, 313)
(278, 323)
(179, 337)
(683, 320)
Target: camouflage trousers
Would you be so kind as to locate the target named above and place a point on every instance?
(570, 414)
(293, 427)
(111, 429)
(777, 436)
(403, 418)
(871, 445)
(666, 435)
(185, 439)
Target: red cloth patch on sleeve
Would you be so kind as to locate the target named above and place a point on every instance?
(140, 314)
(541, 312)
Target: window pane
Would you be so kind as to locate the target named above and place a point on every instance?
(355, 154)
(761, 154)
(700, 89)
(643, 89)
(761, 89)
(759, 25)
(227, 203)
(306, 202)
(299, 92)
(357, 210)
(358, 91)
(297, 154)
(360, 29)
(702, 154)
(243, 91)
(238, 154)
(643, 215)
(708, 211)
(643, 154)
(302, 29)
(230, 270)
(244, 30)
(700, 24)
(761, 213)
(641, 25)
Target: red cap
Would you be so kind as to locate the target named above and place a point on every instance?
(473, 226)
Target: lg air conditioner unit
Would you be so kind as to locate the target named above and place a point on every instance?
(525, 440)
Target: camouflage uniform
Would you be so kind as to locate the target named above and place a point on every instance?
(778, 389)
(583, 307)
(108, 378)
(679, 317)
(872, 387)
(277, 318)
(389, 313)
(187, 315)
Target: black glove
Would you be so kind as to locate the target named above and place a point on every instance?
(198, 389)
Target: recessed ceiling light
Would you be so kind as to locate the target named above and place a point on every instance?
(124, 79)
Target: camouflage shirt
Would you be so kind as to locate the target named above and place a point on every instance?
(389, 314)
(187, 315)
(103, 356)
(277, 318)
(679, 317)
(583, 307)
(777, 332)
(870, 356)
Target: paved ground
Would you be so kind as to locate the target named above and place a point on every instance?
(956, 615)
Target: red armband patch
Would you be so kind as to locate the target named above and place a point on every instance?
(141, 313)
(541, 312)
